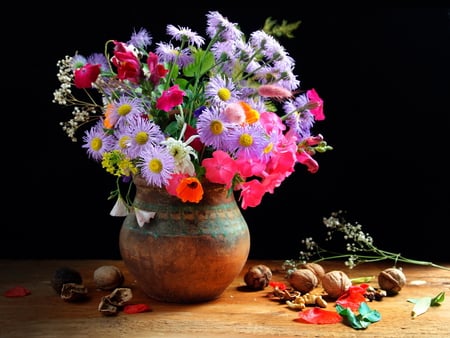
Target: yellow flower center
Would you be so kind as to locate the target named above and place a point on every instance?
(123, 142)
(96, 143)
(155, 165)
(216, 127)
(224, 94)
(124, 109)
(269, 148)
(141, 138)
(246, 140)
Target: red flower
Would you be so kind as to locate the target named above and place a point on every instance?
(157, 70)
(170, 98)
(84, 76)
(127, 63)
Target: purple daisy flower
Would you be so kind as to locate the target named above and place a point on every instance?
(248, 141)
(157, 165)
(97, 142)
(213, 128)
(143, 132)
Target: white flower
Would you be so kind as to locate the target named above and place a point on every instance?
(120, 208)
(143, 216)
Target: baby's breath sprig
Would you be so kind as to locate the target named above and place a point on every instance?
(359, 245)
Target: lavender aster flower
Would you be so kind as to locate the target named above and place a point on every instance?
(185, 34)
(157, 165)
(140, 39)
(212, 128)
(249, 141)
(97, 142)
(143, 132)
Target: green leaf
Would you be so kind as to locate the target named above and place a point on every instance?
(421, 306)
(360, 280)
(203, 62)
(438, 299)
(363, 319)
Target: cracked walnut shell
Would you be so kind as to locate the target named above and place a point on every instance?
(392, 280)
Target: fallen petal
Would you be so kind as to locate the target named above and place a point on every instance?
(17, 291)
(318, 315)
(136, 308)
(143, 216)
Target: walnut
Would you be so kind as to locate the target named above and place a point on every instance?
(71, 292)
(335, 283)
(258, 277)
(65, 275)
(303, 280)
(301, 302)
(109, 304)
(318, 269)
(392, 280)
(108, 277)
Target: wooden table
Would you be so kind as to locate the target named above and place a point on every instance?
(235, 314)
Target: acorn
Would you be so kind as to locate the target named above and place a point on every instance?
(65, 275)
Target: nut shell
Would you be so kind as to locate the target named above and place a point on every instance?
(258, 277)
(335, 283)
(108, 277)
(65, 275)
(392, 280)
(303, 280)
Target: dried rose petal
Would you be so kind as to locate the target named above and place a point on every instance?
(17, 291)
(318, 315)
(280, 285)
(136, 308)
(353, 297)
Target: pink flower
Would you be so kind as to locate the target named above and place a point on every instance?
(157, 70)
(220, 168)
(304, 158)
(170, 98)
(252, 193)
(317, 104)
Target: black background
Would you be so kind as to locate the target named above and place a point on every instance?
(383, 74)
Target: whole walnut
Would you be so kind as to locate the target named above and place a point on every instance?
(318, 269)
(335, 283)
(258, 277)
(108, 277)
(303, 280)
(392, 280)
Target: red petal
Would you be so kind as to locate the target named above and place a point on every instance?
(353, 297)
(280, 285)
(17, 291)
(317, 315)
(136, 308)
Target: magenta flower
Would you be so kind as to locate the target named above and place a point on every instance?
(86, 75)
(170, 98)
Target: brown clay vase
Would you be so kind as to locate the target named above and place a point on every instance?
(189, 252)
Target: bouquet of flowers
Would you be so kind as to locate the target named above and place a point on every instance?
(227, 109)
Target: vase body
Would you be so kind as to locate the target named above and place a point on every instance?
(189, 252)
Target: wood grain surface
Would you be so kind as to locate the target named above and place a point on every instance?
(236, 313)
